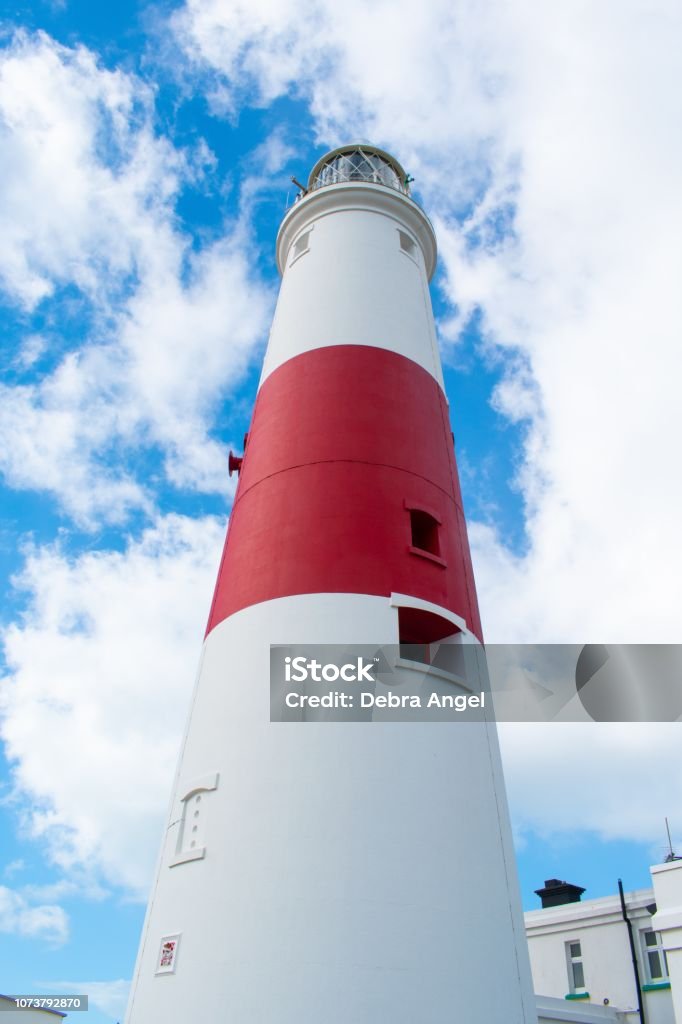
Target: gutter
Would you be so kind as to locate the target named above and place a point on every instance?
(633, 952)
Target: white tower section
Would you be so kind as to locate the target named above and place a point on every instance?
(382, 246)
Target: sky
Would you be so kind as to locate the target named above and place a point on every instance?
(146, 151)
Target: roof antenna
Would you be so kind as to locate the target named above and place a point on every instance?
(672, 855)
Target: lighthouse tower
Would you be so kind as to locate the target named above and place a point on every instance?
(336, 872)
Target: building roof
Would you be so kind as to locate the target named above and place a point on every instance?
(589, 912)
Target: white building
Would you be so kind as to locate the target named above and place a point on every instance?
(581, 955)
(11, 1014)
(557, 1011)
(667, 921)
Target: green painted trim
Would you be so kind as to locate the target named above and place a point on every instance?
(577, 995)
(655, 986)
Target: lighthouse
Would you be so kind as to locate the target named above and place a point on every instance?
(329, 871)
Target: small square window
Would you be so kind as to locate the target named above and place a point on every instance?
(301, 245)
(424, 531)
(407, 244)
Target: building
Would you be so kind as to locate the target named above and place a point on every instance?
(557, 1011)
(11, 1014)
(317, 867)
(667, 921)
(580, 952)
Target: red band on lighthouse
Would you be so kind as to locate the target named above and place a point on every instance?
(352, 446)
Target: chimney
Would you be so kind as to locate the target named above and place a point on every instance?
(556, 893)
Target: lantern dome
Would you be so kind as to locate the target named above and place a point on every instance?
(362, 162)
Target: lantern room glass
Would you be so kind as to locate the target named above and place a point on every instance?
(359, 165)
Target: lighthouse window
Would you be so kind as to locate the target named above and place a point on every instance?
(301, 245)
(427, 638)
(424, 531)
(407, 245)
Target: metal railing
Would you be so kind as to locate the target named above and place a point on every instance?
(360, 165)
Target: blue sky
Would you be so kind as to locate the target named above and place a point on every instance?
(145, 153)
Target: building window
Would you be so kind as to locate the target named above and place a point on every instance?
(655, 960)
(424, 531)
(576, 973)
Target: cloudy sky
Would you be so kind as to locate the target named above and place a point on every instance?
(145, 157)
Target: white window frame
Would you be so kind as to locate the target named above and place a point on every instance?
(571, 961)
(658, 948)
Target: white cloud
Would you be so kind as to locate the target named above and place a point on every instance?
(88, 198)
(186, 345)
(86, 184)
(13, 868)
(100, 672)
(48, 922)
(615, 781)
(30, 351)
(108, 996)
